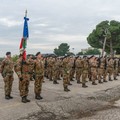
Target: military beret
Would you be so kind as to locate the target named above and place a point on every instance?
(8, 53)
(37, 53)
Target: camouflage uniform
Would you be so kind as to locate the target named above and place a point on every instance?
(55, 71)
(22, 70)
(39, 77)
(110, 66)
(79, 69)
(66, 72)
(7, 73)
(85, 71)
(50, 68)
(101, 69)
(116, 67)
(94, 70)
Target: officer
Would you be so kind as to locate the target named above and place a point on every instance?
(21, 68)
(7, 74)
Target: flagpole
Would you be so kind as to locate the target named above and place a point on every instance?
(26, 13)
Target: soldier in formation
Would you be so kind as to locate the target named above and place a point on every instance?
(7, 74)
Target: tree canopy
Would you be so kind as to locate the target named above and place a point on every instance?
(62, 49)
(90, 52)
(96, 38)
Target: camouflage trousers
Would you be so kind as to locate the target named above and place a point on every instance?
(38, 84)
(109, 72)
(8, 80)
(100, 73)
(84, 76)
(115, 72)
(94, 74)
(50, 73)
(78, 73)
(65, 79)
(24, 85)
(55, 74)
(72, 72)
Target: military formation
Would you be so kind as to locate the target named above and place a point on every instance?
(81, 70)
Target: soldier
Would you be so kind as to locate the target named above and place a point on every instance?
(39, 75)
(7, 74)
(66, 72)
(94, 65)
(101, 68)
(79, 69)
(110, 68)
(85, 64)
(50, 68)
(21, 68)
(55, 71)
(116, 67)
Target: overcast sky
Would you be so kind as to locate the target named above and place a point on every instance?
(52, 22)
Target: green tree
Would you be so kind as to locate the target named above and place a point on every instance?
(80, 53)
(62, 49)
(14, 58)
(92, 52)
(96, 38)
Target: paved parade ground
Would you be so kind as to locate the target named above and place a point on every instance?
(14, 109)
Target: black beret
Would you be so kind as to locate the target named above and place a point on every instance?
(38, 53)
(8, 53)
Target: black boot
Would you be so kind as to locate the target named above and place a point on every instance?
(84, 86)
(104, 80)
(69, 84)
(66, 89)
(10, 97)
(7, 97)
(55, 82)
(110, 79)
(115, 78)
(100, 81)
(27, 99)
(24, 99)
(71, 80)
(93, 83)
(78, 82)
(38, 97)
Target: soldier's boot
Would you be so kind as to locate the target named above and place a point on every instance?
(90, 79)
(84, 85)
(27, 99)
(110, 79)
(7, 97)
(38, 97)
(10, 97)
(71, 79)
(69, 83)
(115, 78)
(66, 89)
(24, 99)
(100, 81)
(93, 83)
(78, 82)
(104, 80)
(55, 82)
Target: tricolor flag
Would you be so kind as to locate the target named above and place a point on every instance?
(23, 42)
